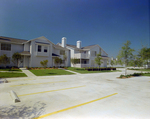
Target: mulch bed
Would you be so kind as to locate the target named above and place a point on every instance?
(125, 77)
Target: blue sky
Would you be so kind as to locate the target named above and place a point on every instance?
(109, 23)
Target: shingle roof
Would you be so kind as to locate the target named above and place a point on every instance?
(57, 46)
(12, 40)
(88, 47)
(83, 48)
(73, 46)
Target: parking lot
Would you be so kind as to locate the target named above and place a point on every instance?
(99, 95)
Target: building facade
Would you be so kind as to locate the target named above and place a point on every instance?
(86, 55)
(33, 51)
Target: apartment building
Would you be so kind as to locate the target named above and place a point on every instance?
(33, 51)
(86, 54)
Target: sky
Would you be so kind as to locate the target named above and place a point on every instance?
(108, 23)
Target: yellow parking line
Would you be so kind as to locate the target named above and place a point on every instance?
(37, 83)
(20, 79)
(73, 107)
(50, 91)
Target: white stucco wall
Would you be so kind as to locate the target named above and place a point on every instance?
(14, 48)
(37, 57)
(92, 59)
(27, 46)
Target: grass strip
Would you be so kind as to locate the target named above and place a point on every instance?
(11, 74)
(8, 69)
(50, 72)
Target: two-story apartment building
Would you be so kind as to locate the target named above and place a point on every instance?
(85, 54)
(33, 51)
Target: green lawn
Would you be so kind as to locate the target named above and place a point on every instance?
(49, 72)
(148, 74)
(8, 69)
(11, 74)
(83, 71)
(140, 69)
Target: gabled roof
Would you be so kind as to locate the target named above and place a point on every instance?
(59, 47)
(88, 47)
(12, 40)
(74, 47)
(83, 48)
(42, 37)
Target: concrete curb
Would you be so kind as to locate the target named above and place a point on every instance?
(14, 96)
(5, 81)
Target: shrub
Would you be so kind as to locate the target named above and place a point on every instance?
(121, 76)
(137, 74)
(44, 63)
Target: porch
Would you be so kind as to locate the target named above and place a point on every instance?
(25, 59)
(82, 63)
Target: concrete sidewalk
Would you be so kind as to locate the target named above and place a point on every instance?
(69, 71)
(27, 72)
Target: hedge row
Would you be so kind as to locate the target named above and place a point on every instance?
(99, 69)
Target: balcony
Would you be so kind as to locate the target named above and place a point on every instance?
(81, 65)
(82, 55)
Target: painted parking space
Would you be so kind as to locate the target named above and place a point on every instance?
(37, 83)
(49, 114)
(19, 80)
(92, 101)
(51, 91)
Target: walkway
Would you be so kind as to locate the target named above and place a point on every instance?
(72, 71)
(27, 72)
(69, 71)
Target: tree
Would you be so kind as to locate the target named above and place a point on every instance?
(44, 63)
(125, 54)
(144, 54)
(4, 60)
(58, 61)
(107, 62)
(74, 61)
(65, 58)
(119, 61)
(16, 58)
(112, 62)
(98, 60)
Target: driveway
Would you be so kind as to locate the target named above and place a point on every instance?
(99, 95)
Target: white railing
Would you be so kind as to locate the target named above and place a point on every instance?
(81, 65)
(81, 55)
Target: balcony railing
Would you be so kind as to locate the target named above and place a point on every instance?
(81, 55)
(82, 65)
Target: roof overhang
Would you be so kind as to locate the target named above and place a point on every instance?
(25, 53)
(55, 55)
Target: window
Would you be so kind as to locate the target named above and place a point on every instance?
(39, 48)
(45, 49)
(62, 52)
(5, 46)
